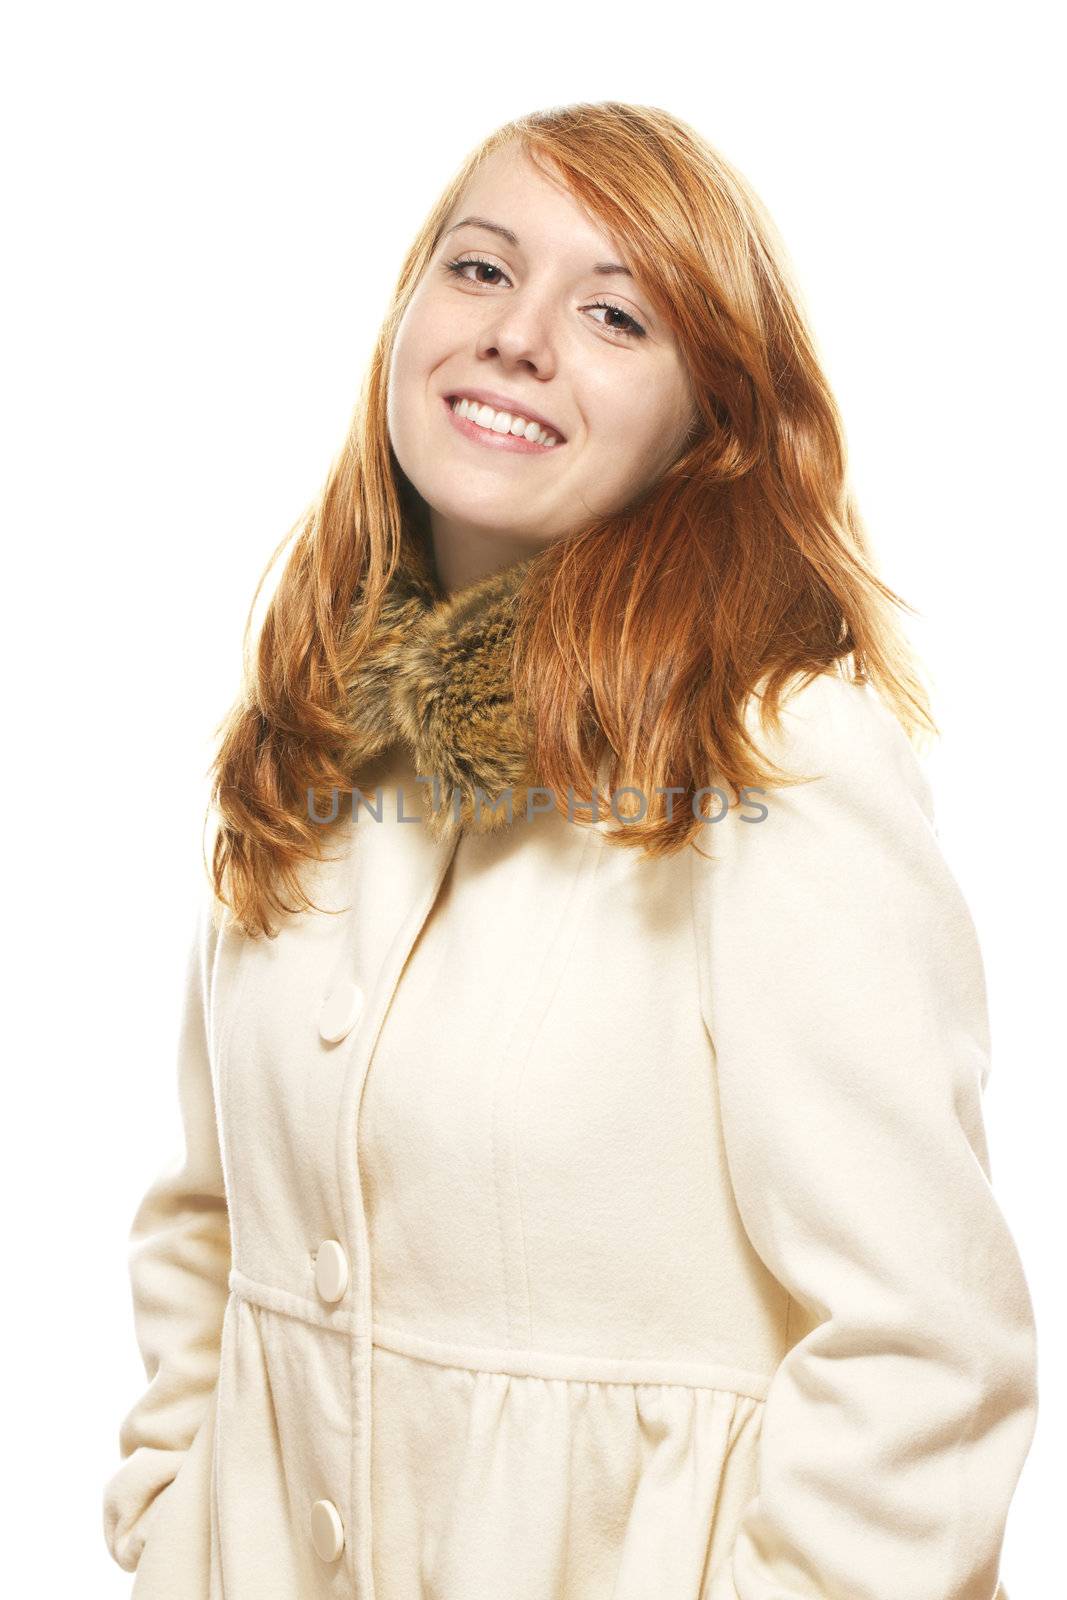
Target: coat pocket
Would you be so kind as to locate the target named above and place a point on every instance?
(175, 1563)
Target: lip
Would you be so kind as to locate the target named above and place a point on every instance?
(505, 402)
(487, 440)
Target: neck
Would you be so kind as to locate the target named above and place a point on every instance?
(464, 555)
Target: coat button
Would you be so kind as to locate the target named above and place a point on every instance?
(331, 1270)
(341, 1011)
(327, 1530)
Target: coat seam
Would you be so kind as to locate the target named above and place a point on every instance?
(727, 1380)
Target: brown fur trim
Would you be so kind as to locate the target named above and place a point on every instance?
(437, 677)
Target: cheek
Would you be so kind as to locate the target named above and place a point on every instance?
(407, 375)
(413, 352)
(654, 422)
(634, 445)
(405, 356)
(633, 434)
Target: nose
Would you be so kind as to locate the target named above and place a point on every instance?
(519, 335)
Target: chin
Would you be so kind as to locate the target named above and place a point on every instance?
(493, 511)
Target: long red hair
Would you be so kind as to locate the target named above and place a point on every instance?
(745, 565)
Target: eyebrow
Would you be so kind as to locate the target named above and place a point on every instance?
(605, 268)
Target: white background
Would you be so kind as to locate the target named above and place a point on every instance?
(206, 208)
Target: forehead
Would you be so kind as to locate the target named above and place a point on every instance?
(511, 190)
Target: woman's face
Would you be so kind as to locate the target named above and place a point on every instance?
(508, 315)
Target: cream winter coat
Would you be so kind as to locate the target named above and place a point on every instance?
(555, 1224)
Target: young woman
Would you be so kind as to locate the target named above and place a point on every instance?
(586, 1194)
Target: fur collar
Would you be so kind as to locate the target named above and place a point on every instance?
(436, 677)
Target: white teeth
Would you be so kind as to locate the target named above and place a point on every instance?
(503, 422)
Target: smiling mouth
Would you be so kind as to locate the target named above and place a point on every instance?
(504, 424)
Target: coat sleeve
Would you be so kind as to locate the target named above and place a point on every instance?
(846, 1006)
(179, 1268)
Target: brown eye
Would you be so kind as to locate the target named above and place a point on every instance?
(629, 327)
(456, 267)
